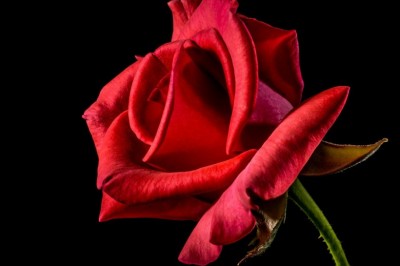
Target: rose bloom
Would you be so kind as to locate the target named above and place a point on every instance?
(209, 127)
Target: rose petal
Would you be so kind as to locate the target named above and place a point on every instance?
(278, 58)
(192, 132)
(269, 111)
(112, 100)
(289, 147)
(190, 6)
(268, 175)
(181, 11)
(221, 16)
(144, 112)
(173, 209)
(142, 87)
(166, 52)
(270, 107)
(179, 17)
(128, 180)
(198, 250)
(211, 41)
(155, 106)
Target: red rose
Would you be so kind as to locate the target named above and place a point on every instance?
(208, 127)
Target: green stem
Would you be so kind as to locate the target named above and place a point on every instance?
(301, 197)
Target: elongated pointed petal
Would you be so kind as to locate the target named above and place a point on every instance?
(276, 165)
(269, 174)
(331, 158)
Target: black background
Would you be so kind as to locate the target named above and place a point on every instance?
(83, 47)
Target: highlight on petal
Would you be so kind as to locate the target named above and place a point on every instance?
(270, 173)
(331, 158)
(187, 208)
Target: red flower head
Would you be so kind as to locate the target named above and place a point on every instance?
(209, 127)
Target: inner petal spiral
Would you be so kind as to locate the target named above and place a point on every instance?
(193, 129)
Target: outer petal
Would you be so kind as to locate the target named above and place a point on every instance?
(269, 174)
(198, 250)
(182, 10)
(278, 58)
(112, 101)
(124, 177)
(190, 6)
(179, 17)
(276, 165)
(165, 53)
(173, 209)
(220, 14)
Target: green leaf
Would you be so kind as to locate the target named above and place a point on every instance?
(300, 196)
(331, 158)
